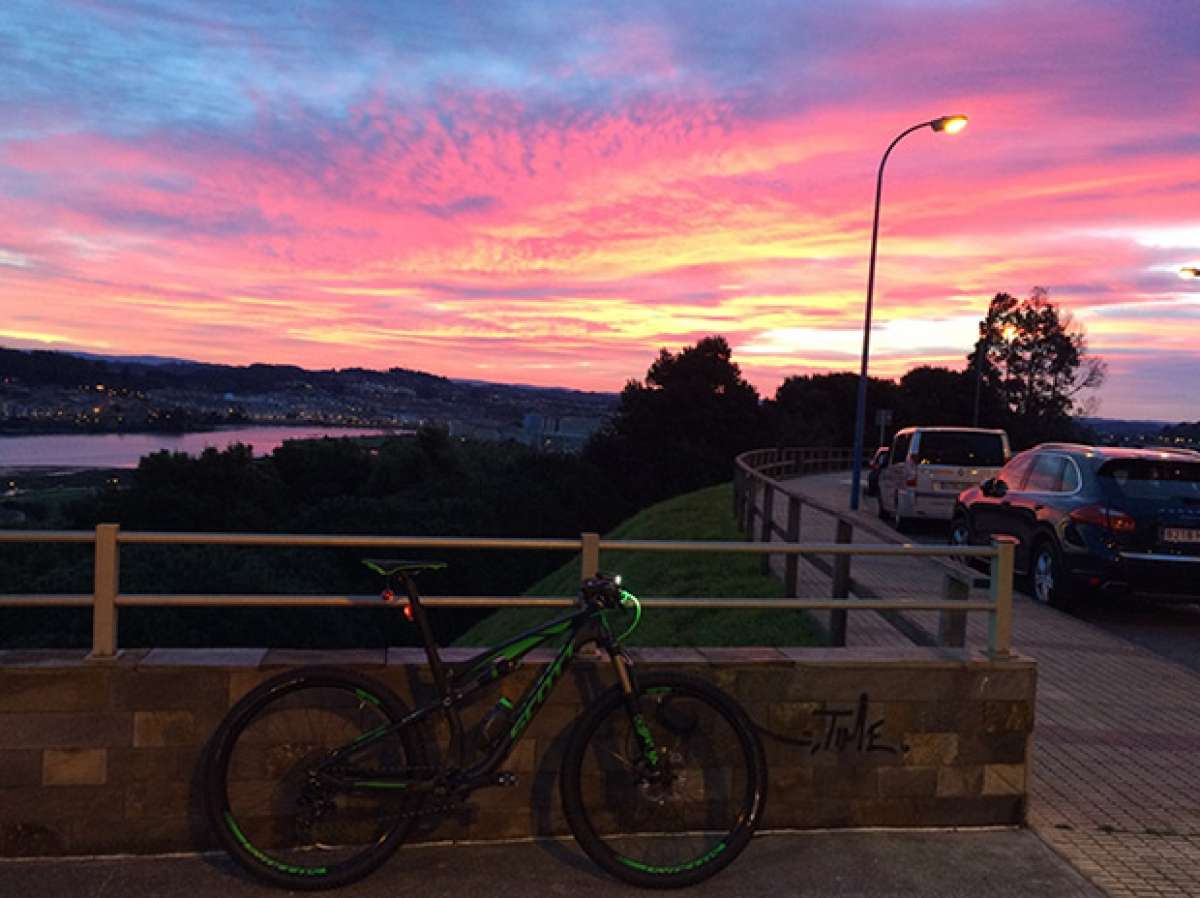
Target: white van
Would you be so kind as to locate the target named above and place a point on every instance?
(929, 466)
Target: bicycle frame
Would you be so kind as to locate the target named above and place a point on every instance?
(583, 625)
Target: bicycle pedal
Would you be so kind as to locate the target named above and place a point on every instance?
(507, 779)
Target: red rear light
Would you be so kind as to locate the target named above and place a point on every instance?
(911, 462)
(1119, 522)
(1107, 518)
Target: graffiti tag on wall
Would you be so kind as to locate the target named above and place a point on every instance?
(847, 729)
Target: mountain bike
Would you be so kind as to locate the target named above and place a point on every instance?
(318, 775)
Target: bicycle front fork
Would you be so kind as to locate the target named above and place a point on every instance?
(627, 676)
(623, 666)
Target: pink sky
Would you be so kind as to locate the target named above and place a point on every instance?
(525, 194)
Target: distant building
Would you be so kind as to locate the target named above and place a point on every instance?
(469, 430)
(560, 433)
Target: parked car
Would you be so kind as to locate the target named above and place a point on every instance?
(878, 460)
(929, 466)
(1091, 520)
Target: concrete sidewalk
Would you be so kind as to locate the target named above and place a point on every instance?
(815, 865)
(1116, 769)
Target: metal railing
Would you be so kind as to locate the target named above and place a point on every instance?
(107, 598)
(758, 485)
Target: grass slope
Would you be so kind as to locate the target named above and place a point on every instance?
(702, 515)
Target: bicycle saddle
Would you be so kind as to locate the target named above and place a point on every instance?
(391, 566)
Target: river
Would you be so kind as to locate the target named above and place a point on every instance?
(122, 450)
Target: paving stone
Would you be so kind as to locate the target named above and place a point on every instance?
(931, 749)
(74, 767)
(20, 768)
(1004, 779)
(203, 658)
(161, 728)
(65, 730)
(45, 689)
(336, 658)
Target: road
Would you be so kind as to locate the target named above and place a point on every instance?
(1171, 631)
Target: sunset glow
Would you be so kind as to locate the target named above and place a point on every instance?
(548, 193)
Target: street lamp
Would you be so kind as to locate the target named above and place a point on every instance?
(1189, 273)
(950, 124)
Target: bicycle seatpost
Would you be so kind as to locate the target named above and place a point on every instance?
(421, 619)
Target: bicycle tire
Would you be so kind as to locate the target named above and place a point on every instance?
(709, 805)
(258, 789)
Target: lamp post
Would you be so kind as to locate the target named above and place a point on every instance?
(950, 124)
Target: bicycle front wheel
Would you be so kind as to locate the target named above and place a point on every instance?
(679, 817)
(267, 795)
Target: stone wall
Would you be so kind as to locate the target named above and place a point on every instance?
(104, 757)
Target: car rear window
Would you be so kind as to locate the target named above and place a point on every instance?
(1144, 478)
(980, 450)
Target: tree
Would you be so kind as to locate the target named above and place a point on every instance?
(681, 428)
(818, 409)
(934, 395)
(1034, 366)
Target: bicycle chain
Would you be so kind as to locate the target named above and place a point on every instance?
(402, 772)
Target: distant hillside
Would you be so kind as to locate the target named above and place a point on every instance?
(36, 367)
(44, 391)
(704, 515)
(1144, 433)
(1121, 426)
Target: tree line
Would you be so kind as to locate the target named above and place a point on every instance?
(679, 429)
(429, 484)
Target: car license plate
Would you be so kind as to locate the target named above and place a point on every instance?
(948, 487)
(1181, 534)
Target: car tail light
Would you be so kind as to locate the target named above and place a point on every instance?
(911, 462)
(1107, 518)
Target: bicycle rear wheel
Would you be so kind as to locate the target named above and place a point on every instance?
(267, 800)
(680, 818)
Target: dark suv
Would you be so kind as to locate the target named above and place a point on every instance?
(1091, 519)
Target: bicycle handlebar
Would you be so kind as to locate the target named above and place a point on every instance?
(602, 591)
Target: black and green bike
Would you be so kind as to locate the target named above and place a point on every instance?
(319, 774)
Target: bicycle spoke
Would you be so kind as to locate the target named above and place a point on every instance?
(670, 816)
(284, 818)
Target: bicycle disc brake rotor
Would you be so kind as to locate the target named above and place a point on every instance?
(669, 783)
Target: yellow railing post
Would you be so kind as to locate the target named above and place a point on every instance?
(104, 599)
(590, 554)
(952, 625)
(1000, 619)
(767, 530)
(791, 565)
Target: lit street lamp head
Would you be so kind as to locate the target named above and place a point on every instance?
(951, 124)
(1189, 273)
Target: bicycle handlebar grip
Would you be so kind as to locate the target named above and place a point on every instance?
(603, 590)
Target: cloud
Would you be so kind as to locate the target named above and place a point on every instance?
(553, 193)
